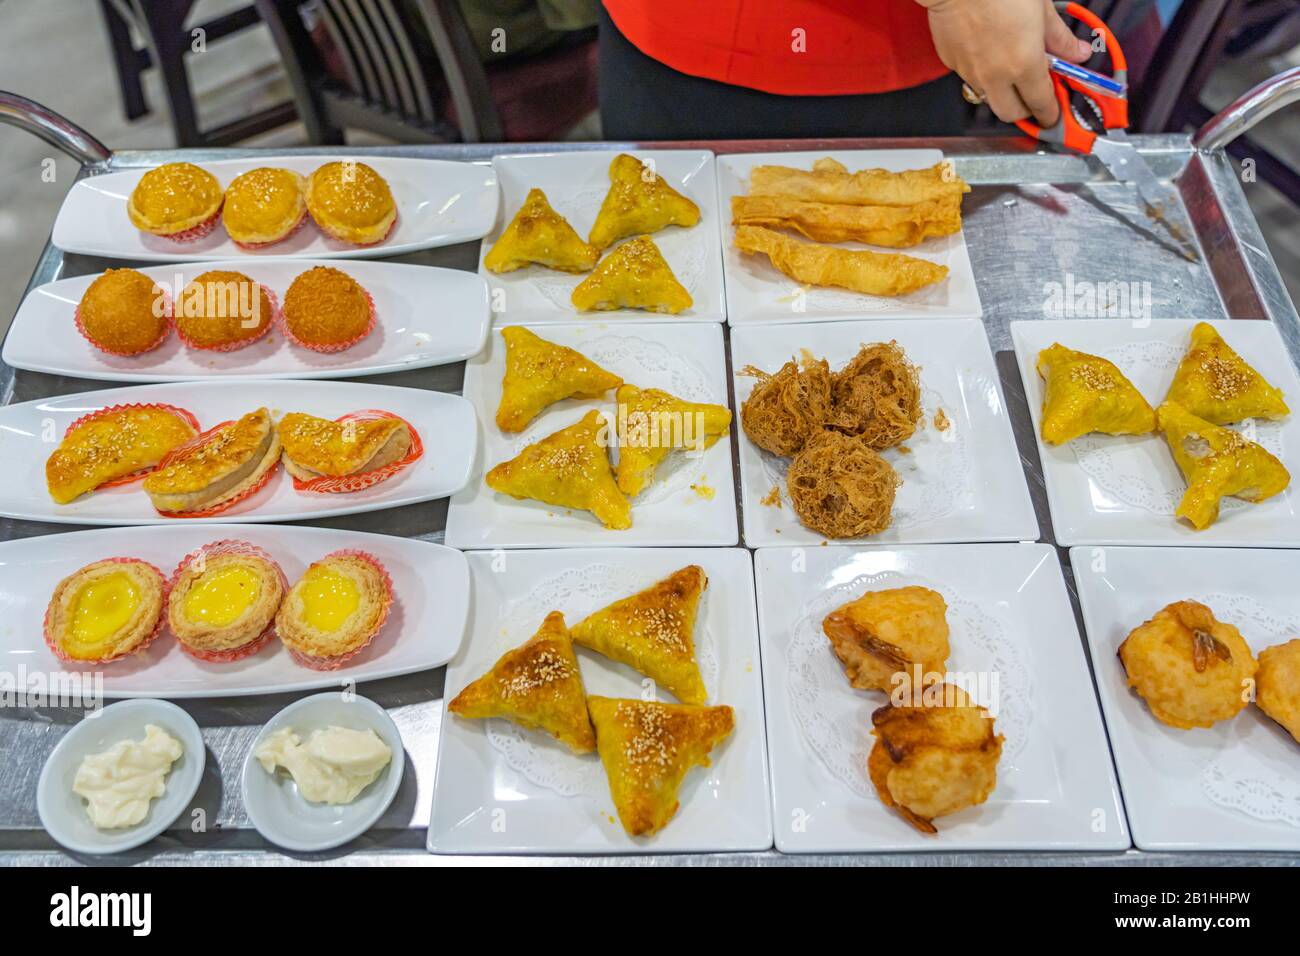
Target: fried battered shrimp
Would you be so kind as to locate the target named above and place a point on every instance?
(784, 409)
(1277, 685)
(878, 395)
(887, 632)
(840, 487)
(1191, 669)
(935, 754)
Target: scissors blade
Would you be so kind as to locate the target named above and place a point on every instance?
(1126, 164)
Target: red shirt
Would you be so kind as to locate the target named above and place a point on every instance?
(793, 47)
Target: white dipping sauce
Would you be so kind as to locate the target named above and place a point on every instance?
(334, 766)
(120, 783)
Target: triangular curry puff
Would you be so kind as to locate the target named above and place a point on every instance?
(653, 632)
(633, 276)
(540, 234)
(1086, 393)
(653, 424)
(647, 748)
(1215, 383)
(639, 201)
(1217, 463)
(537, 684)
(540, 373)
(569, 468)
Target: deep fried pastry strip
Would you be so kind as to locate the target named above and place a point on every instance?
(832, 183)
(872, 273)
(896, 227)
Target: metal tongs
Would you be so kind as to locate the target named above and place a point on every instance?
(1094, 122)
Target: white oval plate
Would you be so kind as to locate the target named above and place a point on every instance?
(424, 628)
(30, 431)
(287, 819)
(63, 812)
(426, 316)
(439, 203)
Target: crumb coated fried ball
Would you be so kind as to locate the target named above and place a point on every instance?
(878, 395)
(1277, 685)
(841, 487)
(784, 409)
(935, 753)
(124, 312)
(326, 307)
(219, 309)
(1191, 669)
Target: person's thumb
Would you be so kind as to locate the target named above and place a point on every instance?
(1059, 41)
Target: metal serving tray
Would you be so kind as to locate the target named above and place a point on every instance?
(1031, 218)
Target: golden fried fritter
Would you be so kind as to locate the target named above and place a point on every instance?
(887, 632)
(840, 487)
(1277, 685)
(1191, 669)
(936, 753)
(878, 395)
(784, 409)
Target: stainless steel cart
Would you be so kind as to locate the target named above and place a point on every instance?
(1031, 217)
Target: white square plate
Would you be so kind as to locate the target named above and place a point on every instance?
(30, 431)
(961, 484)
(757, 290)
(423, 630)
(575, 184)
(1236, 785)
(503, 789)
(1013, 635)
(686, 360)
(1123, 489)
(439, 203)
(426, 316)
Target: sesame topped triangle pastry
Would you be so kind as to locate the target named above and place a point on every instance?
(538, 234)
(653, 424)
(569, 468)
(639, 201)
(653, 632)
(1086, 393)
(540, 373)
(647, 748)
(633, 276)
(1213, 382)
(537, 685)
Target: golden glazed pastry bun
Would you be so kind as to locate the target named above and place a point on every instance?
(264, 205)
(351, 202)
(105, 611)
(178, 201)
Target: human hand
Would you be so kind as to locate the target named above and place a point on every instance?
(999, 48)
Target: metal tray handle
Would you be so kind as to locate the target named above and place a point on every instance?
(1248, 109)
(56, 130)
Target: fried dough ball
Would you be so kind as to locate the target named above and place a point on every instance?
(1277, 685)
(884, 633)
(1191, 669)
(935, 753)
(784, 409)
(840, 487)
(878, 395)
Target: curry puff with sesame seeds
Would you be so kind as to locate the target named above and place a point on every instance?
(569, 468)
(540, 235)
(540, 373)
(639, 202)
(653, 632)
(634, 276)
(1085, 393)
(653, 424)
(1217, 463)
(647, 748)
(1213, 382)
(536, 685)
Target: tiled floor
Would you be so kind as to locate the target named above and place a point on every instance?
(56, 52)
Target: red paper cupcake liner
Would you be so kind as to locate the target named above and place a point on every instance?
(336, 346)
(216, 509)
(187, 415)
(342, 484)
(217, 549)
(196, 232)
(62, 655)
(302, 221)
(241, 343)
(169, 316)
(337, 661)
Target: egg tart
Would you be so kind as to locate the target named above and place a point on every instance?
(351, 202)
(222, 601)
(222, 311)
(105, 611)
(113, 446)
(178, 201)
(326, 310)
(335, 610)
(222, 466)
(263, 206)
(354, 452)
(124, 312)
